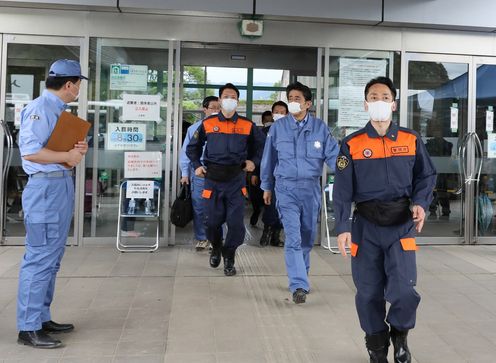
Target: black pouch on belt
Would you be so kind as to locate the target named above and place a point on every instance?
(389, 213)
(222, 173)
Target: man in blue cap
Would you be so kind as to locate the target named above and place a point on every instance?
(48, 203)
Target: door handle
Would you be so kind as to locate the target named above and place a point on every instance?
(479, 156)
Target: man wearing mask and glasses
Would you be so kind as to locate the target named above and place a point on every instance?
(386, 171)
(295, 151)
(48, 203)
(234, 146)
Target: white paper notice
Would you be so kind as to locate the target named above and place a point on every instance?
(489, 121)
(454, 119)
(17, 113)
(139, 189)
(141, 107)
(354, 73)
(491, 146)
(143, 164)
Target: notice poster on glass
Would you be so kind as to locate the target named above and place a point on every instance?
(354, 74)
(128, 77)
(125, 136)
(17, 114)
(141, 107)
(491, 146)
(139, 189)
(143, 164)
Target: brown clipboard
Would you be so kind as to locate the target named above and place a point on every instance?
(68, 131)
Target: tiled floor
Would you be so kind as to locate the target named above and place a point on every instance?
(169, 306)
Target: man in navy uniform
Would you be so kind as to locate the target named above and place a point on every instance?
(295, 151)
(386, 171)
(210, 107)
(234, 146)
(48, 203)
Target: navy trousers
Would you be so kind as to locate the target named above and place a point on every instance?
(225, 203)
(384, 269)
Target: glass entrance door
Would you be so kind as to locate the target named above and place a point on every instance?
(437, 106)
(485, 132)
(25, 64)
(130, 98)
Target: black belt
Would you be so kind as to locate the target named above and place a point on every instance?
(388, 213)
(222, 173)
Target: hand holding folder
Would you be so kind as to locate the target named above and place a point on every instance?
(68, 131)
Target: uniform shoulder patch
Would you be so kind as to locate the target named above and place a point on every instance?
(34, 117)
(342, 162)
(196, 134)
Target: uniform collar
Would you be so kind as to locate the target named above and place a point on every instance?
(223, 118)
(391, 134)
(294, 124)
(56, 100)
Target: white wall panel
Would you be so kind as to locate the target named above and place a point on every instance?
(225, 30)
(352, 10)
(221, 6)
(457, 13)
(91, 3)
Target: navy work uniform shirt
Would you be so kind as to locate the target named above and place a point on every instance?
(228, 141)
(371, 167)
(38, 119)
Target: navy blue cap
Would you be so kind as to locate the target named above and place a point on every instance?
(66, 68)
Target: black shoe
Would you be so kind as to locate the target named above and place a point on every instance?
(229, 269)
(401, 351)
(266, 236)
(54, 328)
(377, 347)
(275, 240)
(215, 257)
(300, 296)
(38, 339)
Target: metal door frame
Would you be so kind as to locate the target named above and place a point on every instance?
(468, 202)
(83, 45)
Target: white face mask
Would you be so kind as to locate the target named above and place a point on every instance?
(229, 104)
(76, 96)
(380, 110)
(267, 124)
(214, 113)
(294, 107)
(277, 116)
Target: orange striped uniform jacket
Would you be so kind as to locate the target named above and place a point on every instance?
(228, 141)
(371, 167)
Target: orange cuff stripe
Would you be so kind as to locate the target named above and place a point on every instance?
(354, 249)
(409, 244)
